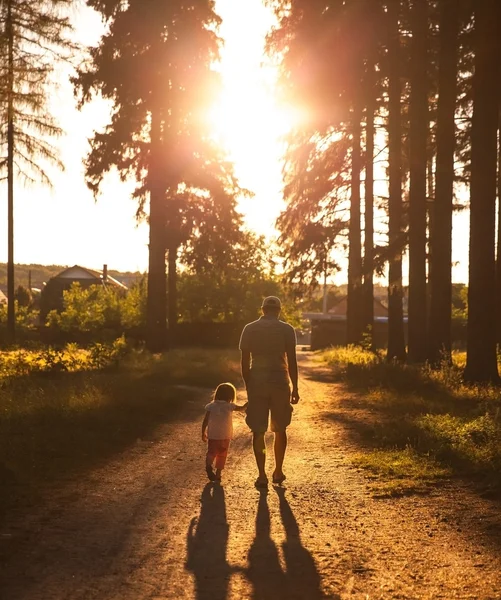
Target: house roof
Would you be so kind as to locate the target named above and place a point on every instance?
(340, 308)
(76, 272)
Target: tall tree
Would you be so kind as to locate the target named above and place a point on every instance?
(368, 269)
(498, 245)
(354, 316)
(419, 125)
(481, 361)
(439, 331)
(155, 63)
(396, 339)
(35, 38)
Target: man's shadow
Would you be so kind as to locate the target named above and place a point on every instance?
(265, 571)
(301, 579)
(207, 543)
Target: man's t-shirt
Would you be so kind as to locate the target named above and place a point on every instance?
(268, 340)
(220, 420)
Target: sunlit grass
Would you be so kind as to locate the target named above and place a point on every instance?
(423, 412)
(397, 472)
(61, 419)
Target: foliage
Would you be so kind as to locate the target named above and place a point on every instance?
(98, 307)
(23, 296)
(125, 69)
(233, 300)
(38, 34)
(228, 282)
(105, 355)
(429, 414)
(26, 317)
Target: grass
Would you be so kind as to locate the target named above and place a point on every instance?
(421, 418)
(58, 421)
(400, 472)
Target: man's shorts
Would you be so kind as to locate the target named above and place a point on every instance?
(265, 400)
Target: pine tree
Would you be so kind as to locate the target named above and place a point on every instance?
(396, 340)
(439, 331)
(155, 65)
(419, 126)
(35, 38)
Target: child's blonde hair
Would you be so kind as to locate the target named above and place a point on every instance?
(226, 392)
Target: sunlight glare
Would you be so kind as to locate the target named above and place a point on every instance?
(248, 121)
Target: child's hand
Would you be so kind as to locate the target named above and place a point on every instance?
(204, 436)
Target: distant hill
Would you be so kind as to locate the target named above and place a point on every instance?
(40, 274)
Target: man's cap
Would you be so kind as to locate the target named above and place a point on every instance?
(272, 302)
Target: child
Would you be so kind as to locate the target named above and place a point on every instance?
(219, 422)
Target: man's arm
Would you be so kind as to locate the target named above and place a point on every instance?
(293, 374)
(245, 363)
(292, 366)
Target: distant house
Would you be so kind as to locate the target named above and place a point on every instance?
(338, 312)
(329, 329)
(3, 298)
(52, 293)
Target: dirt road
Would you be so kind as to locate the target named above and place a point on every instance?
(147, 526)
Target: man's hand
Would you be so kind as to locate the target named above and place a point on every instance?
(295, 396)
(204, 436)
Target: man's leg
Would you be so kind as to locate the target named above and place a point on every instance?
(259, 447)
(280, 446)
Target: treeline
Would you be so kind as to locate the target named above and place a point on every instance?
(38, 275)
(400, 118)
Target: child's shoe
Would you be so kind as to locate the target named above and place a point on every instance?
(210, 473)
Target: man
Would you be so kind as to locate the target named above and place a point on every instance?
(268, 348)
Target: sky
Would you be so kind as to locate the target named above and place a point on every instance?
(65, 225)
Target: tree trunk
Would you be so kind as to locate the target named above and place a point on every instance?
(368, 284)
(172, 294)
(481, 360)
(354, 325)
(11, 310)
(439, 331)
(498, 249)
(419, 126)
(156, 303)
(396, 338)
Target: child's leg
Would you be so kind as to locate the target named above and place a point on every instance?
(222, 453)
(209, 458)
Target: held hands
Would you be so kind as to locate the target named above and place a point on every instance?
(204, 436)
(295, 396)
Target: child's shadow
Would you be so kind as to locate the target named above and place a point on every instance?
(206, 546)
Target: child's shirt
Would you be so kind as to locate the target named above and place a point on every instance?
(220, 420)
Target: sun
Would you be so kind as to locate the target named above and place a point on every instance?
(248, 121)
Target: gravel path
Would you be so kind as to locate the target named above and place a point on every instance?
(147, 526)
